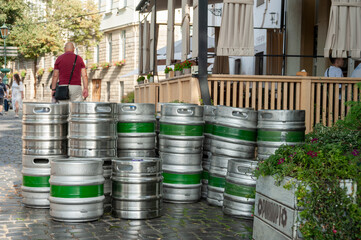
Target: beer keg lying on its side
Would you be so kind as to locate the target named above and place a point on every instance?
(76, 190)
(137, 188)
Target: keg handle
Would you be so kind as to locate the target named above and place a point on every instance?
(124, 167)
(103, 109)
(240, 114)
(185, 111)
(41, 161)
(41, 110)
(266, 115)
(129, 108)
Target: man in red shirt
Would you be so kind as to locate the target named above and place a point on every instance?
(62, 70)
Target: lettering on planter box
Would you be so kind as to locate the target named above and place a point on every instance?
(273, 212)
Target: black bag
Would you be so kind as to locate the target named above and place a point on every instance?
(62, 92)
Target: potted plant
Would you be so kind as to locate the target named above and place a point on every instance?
(178, 69)
(168, 72)
(150, 77)
(105, 65)
(23, 73)
(186, 65)
(312, 188)
(93, 66)
(40, 72)
(140, 80)
(119, 63)
(50, 69)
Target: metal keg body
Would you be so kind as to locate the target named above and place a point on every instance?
(136, 130)
(137, 188)
(76, 190)
(180, 146)
(279, 127)
(234, 137)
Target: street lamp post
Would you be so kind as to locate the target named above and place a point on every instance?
(4, 34)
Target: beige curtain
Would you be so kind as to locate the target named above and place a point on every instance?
(344, 29)
(221, 63)
(170, 32)
(185, 29)
(146, 47)
(236, 34)
(195, 30)
(140, 65)
(153, 41)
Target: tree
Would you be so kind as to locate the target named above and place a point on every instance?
(46, 27)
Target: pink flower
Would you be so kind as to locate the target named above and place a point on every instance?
(314, 140)
(312, 154)
(282, 160)
(334, 231)
(355, 152)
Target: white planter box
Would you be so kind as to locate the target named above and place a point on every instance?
(276, 210)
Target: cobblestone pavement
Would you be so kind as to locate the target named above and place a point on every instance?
(180, 221)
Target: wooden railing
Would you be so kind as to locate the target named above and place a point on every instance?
(322, 98)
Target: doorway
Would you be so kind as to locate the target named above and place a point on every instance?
(96, 91)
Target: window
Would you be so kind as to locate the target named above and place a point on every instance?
(108, 92)
(96, 54)
(109, 47)
(99, 4)
(108, 6)
(122, 41)
(42, 62)
(42, 91)
(121, 90)
(53, 59)
(122, 4)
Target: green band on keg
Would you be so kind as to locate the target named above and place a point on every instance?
(77, 191)
(208, 128)
(281, 136)
(205, 175)
(236, 133)
(35, 181)
(181, 130)
(240, 190)
(216, 181)
(174, 178)
(123, 127)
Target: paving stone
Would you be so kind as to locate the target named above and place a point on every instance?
(180, 221)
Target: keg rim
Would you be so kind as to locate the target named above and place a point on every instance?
(46, 103)
(77, 160)
(135, 159)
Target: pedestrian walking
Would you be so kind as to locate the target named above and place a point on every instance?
(2, 95)
(69, 69)
(7, 98)
(17, 94)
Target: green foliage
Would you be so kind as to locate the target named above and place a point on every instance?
(177, 101)
(50, 69)
(94, 67)
(149, 75)
(105, 65)
(140, 79)
(167, 70)
(119, 63)
(23, 73)
(330, 155)
(10, 11)
(186, 64)
(129, 98)
(40, 72)
(178, 67)
(202, 103)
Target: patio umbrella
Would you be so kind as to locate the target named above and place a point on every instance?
(140, 48)
(344, 29)
(195, 29)
(185, 29)
(221, 63)
(146, 47)
(236, 34)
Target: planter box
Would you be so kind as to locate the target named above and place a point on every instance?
(186, 71)
(276, 210)
(169, 75)
(177, 73)
(140, 82)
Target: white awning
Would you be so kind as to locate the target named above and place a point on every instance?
(146, 47)
(170, 32)
(195, 30)
(185, 29)
(236, 34)
(344, 29)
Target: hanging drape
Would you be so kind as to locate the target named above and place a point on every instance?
(170, 32)
(153, 41)
(146, 47)
(236, 34)
(195, 30)
(185, 29)
(344, 29)
(221, 63)
(140, 63)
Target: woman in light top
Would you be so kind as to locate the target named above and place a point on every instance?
(17, 94)
(335, 69)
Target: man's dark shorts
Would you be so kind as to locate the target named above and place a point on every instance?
(1, 101)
